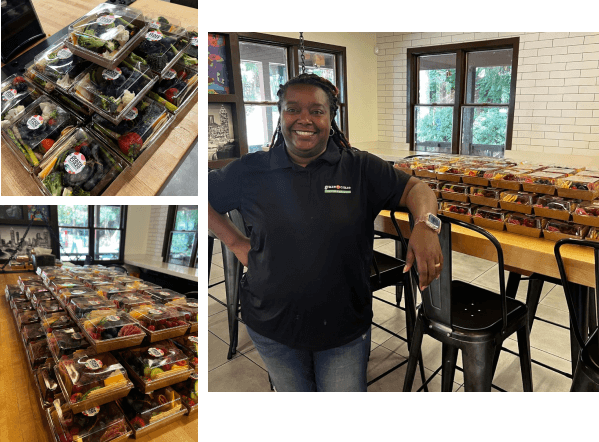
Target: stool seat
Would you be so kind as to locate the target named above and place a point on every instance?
(477, 309)
(390, 271)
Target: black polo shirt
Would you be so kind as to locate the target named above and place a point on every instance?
(311, 235)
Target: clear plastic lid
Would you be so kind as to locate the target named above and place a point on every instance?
(433, 184)
(189, 306)
(188, 390)
(452, 169)
(107, 31)
(122, 279)
(579, 182)
(87, 374)
(51, 272)
(457, 208)
(41, 296)
(57, 285)
(48, 307)
(166, 295)
(117, 324)
(507, 174)
(92, 279)
(406, 163)
(32, 332)
(431, 165)
(566, 170)
(38, 128)
(146, 409)
(66, 341)
(46, 379)
(192, 49)
(81, 165)
(158, 317)
(65, 295)
(593, 234)
(96, 305)
(28, 316)
(176, 85)
(113, 92)
(110, 289)
(13, 291)
(588, 209)
(455, 188)
(520, 219)
(21, 304)
(102, 423)
(16, 96)
(141, 286)
(525, 198)
(543, 177)
(27, 279)
(490, 213)
(162, 44)
(566, 228)
(38, 352)
(59, 65)
(589, 172)
(56, 321)
(135, 132)
(131, 299)
(156, 361)
(557, 203)
(485, 192)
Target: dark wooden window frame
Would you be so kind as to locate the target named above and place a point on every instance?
(235, 97)
(460, 49)
(91, 214)
(166, 243)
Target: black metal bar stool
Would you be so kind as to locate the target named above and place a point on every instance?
(586, 372)
(469, 318)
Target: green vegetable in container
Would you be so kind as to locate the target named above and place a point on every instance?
(53, 183)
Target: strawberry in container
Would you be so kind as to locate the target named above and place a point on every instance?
(176, 86)
(587, 213)
(142, 287)
(555, 230)
(144, 411)
(160, 322)
(112, 331)
(188, 390)
(189, 306)
(189, 345)
(555, 207)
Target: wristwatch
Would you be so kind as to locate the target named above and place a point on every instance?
(431, 221)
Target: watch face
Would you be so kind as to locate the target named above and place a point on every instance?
(436, 222)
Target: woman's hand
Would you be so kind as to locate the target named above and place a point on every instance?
(425, 248)
(241, 250)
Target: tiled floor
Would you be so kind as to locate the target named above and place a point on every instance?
(550, 345)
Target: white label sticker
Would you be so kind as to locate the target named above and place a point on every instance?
(107, 19)
(91, 411)
(69, 330)
(111, 74)
(35, 122)
(193, 339)
(93, 364)
(132, 298)
(94, 302)
(194, 41)
(155, 312)
(77, 292)
(156, 352)
(192, 304)
(154, 24)
(113, 318)
(74, 163)
(194, 376)
(154, 35)
(9, 94)
(165, 293)
(170, 74)
(131, 114)
(77, 336)
(64, 53)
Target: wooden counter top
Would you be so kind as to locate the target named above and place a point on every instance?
(144, 178)
(519, 252)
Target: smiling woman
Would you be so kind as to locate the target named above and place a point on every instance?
(308, 105)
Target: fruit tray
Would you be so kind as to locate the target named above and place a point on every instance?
(29, 279)
(112, 332)
(189, 307)
(109, 289)
(48, 307)
(13, 291)
(189, 346)
(587, 213)
(455, 192)
(165, 296)
(34, 286)
(450, 172)
(188, 390)
(129, 300)
(556, 230)
(485, 196)
(406, 165)
(476, 175)
(541, 182)
(89, 379)
(142, 287)
(57, 321)
(566, 170)
(427, 168)
(41, 296)
(588, 172)
(148, 412)
(105, 423)
(160, 322)
(522, 224)
(489, 218)
(96, 305)
(47, 385)
(65, 295)
(506, 178)
(32, 332)
(576, 186)
(156, 366)
(555, 207)
(517, 201)
(177, 88)
(461, 211)
(59, 283)
(65, 342)
(124, 279)
(38, 353)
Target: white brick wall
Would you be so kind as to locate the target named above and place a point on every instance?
(557, 88)
(156, 230)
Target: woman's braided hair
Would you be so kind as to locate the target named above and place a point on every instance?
(332, 93)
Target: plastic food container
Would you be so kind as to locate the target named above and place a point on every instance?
(165, 296)
(49, 307)
(427, 168)
(506, 178)
(518, 201)
(484, 196)
(123, 279)
(41, 296)
(576, 186)
(112, 332)
(160, 322)
(478, 175)
(189, 306)
(137, 132)
(65, 295)
(163, 44)
(11, 291)
(33, 287)
(112, 93)
(32, 332)
(587, 213)
(455, 192)
(190, 58)
(406, 165)
(461, 211)
(57, 321)
(33, 135)
(141, 286)
(89, 379)
(81, 165)
(20, 304)
(80, 306)
(188, 390)
(148, 412)
(130, 300)
(593, 234)
(589, 172)
(27, 317)
(29, 279)
(522, 224)
(17, 94)
(489, 218)
(109, 289)
(106, 34)
(556, 230)
(156, 366)
(56, 285)
(38, 353)
(177, 87)
(541, 182)
(555, 207)
(450, 172)
(47, 385)
(566, 170)
(66, 341)
(105, 423)
(189, 345)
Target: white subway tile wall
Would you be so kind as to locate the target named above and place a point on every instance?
(557, 88)
(156, 230)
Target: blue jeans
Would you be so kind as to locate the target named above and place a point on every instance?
(338, 369)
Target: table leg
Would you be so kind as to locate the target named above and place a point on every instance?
(513, 281)
(533, 296)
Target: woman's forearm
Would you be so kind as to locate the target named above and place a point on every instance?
(419, 198)
(224, 229)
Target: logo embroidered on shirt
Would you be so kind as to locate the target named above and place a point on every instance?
(337, 189)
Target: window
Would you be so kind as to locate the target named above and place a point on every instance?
(461, 97)
(181, 236)
(98, 231)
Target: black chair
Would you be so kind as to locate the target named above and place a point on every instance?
(386, 271)
(469, 318)
(88, 260)
(191, 295)
(586, 374)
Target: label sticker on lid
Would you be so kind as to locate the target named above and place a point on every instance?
(170, 74)
(93, 364)
(155, 311)
(94, 302)
(34, 122)
(154, 35)
(192, 304)
(194, 41)
(193, 339)
(131, 114)
(111, 74)
(156, 352)
(194, 376)
(91, 411)
(77, 336)
(68, 330)
(74, 163)
(132, 298)
(107, 19)
(154, 24)
(64, 53)
(9, 94)
(77, 292)
(113, 318)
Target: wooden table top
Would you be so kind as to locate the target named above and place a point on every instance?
(520, 253)
(150, 175)
(22, 419)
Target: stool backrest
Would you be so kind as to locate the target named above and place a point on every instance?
(436, 298)
(566, 284)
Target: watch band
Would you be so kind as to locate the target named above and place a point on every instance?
(424, 219)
